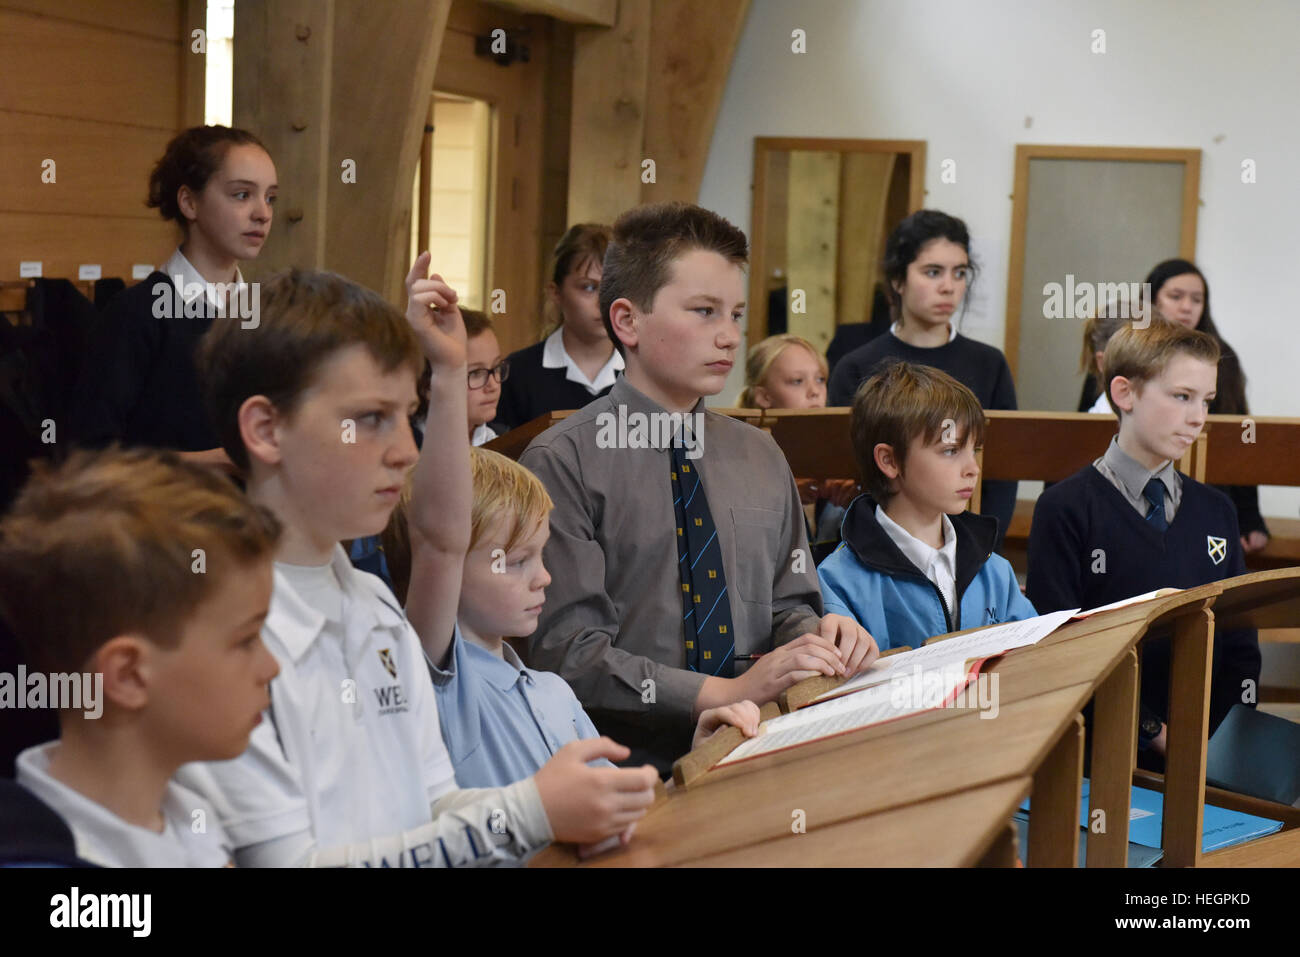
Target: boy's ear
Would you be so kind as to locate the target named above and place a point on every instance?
(1124, 392)
(553, 291)
(623, 317)
(124, 663)
(259, 422)
(886, 461)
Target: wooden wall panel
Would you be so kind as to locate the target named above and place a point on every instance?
(100, 89)
(60, 68)
(150, 18)
(101, 168)
(62, 243)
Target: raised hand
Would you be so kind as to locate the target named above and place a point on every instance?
(432, 311)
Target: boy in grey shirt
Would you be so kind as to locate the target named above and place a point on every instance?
(682, 575)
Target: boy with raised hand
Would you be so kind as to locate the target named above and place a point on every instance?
(677, 540)
(1129, 523)
(351, 769)
(141, 581)
(915, 562)
(501, 720)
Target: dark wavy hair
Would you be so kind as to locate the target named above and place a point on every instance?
(191, 159)
(1231, 391)
(907, 240)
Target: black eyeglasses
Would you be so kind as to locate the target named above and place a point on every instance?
(478, 377)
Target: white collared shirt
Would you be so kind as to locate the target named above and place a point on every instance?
(939, 565)
(1102, 406)
(555, 356)
(183, 274)
(482, 435)
(105, 839)
(350, 748)
(952, 330)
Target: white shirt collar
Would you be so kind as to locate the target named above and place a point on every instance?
(1102, 406)
(952, 330)
(482, 434)
(297, 624)
(182, 272)
(104, 838)
(555, 356)
(920, 554)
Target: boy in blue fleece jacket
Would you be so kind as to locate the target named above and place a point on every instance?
(913, 562)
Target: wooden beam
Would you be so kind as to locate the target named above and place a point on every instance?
(391, 48)
(692, 45)
(589, 13)
(1054, 811)
(610, 72)
(309, 90)
(282, 71)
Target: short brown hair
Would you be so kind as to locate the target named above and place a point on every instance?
(502, 489)
(476, 322)
(104, 545)
(646, 241)
(304, 318)
(900, 403)
(1141, 355)
(581, 243)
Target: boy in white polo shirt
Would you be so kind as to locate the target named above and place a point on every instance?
(351, 769)
(143, 580)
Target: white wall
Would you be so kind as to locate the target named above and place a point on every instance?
(967, 76)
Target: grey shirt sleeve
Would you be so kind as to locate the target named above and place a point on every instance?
(796, 591)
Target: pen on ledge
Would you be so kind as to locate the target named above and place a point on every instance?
(748, 657)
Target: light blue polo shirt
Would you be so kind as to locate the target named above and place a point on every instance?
(501, 721)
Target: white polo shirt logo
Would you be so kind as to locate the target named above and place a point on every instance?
(1217, 548)
(392, 698)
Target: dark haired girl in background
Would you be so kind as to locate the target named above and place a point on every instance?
(138, 384)
(577, 361)
(928, 271)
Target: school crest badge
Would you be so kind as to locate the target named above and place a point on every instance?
(386, 657)
(1217, 548)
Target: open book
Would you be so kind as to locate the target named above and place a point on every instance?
(944, 674)
(1125, 602)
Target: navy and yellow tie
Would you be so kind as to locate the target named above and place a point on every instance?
(706, 621)
(1155, 494)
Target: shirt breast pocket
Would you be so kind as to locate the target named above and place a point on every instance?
(758, 549)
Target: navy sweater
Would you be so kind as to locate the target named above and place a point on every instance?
(138, 384)
(532, 390)
(981, 368)
(1084, 523)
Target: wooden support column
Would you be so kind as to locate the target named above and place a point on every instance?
(608, 122)
(1191, 655)
(1114, 753)
(692, 45)
(1054, 802)
(325, 81)
(649, 88)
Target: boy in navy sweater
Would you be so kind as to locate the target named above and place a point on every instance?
(914, 562)
(1129, 523)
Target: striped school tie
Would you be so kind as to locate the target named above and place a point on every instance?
(1154, 492)
(706, 620)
